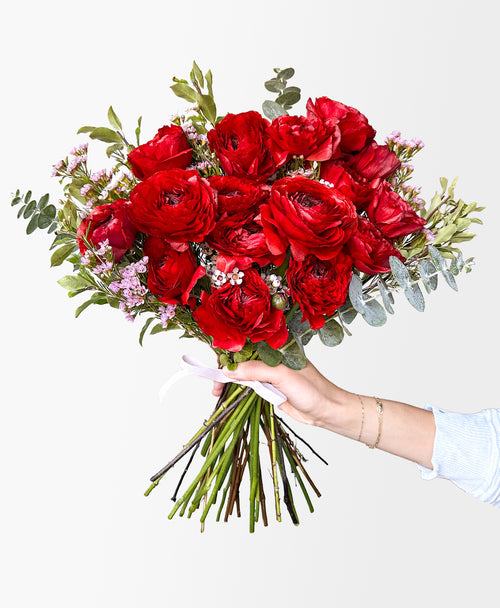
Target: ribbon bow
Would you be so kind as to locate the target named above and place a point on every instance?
(192, 367)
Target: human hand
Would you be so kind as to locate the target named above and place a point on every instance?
(311, 398)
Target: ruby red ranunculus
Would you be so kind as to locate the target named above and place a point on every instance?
(233, 313)
(300, 136)
(392, 215)
(309, 216)
(110, 222)
(175, 205)
(319, 286)
(355, 131)
(171, 274)
(375, 161)
(369, 249)
(238, 197)
(240, 143)
(169, 149)
(359, 192)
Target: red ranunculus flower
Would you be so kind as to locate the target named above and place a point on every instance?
(392, 215)
(239, 141)
(111, 222)
(233, 313)
(169, 149)
(297, 135)
(171, 274)
(237, 197)
(359, 192)
(375, 162)
(355, 130)
(369, 249)
(175, 205)
(309, 216)
(319, 286)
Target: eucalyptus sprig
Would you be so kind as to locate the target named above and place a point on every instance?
(286, 96)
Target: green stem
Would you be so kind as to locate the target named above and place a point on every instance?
(254, 461)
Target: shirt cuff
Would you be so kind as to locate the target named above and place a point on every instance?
(466, 452)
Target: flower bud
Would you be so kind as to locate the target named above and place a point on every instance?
(279, 301)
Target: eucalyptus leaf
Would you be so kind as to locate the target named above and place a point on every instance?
(399, 271)
(331, 334)
(374, 313)
(307, 336)
(296, 325)
(437, 258)
(114, 121)
(414, 296)
(27, 197)
(272, 109)
(288, 98)
(347, 312)
(450, 279)
(33, 224)
(286, 74)
(275, 85)
(356, 293)
(43, 202)
(106, 135)
(269, 355)
(428, 274)
(293, 356)
(387, 297)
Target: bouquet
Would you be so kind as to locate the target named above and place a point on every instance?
(253, 233)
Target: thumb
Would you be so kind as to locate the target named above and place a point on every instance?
(256, 370)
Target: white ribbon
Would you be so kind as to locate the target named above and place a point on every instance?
(192, 367)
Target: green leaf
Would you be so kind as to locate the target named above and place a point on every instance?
(198, 75)
(457, 264)
(293, 356)
(72, 282)
(30, 209)
(209, 79)
(106, 135)
(144, 329)
(331, 334)
(47, 216)
(33, 224)
(138, 130)
(27, 197)
(207, 107)
(43, 202)
(21, 211)
(445, 234)
(97, 298)
(184, 91)
(286, 74)
(85, 130)
(356, 293)
(374, 313)
(461, 237)
(444, 183)
(272, 109)
(112, 149)
(114, 121)
(275, 85)
(16, 200)
(415, 297)
(399, 271)
(296, 325)
(61, 254)
(157, 329)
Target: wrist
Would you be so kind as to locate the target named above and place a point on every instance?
(341, 414)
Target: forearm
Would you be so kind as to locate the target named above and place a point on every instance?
(406, 431)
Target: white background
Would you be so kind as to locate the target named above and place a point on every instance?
(81, 428)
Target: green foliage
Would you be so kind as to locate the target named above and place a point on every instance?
(41, 215)
(269, 355)
(286, 96)
(193, 93)
(331, 334)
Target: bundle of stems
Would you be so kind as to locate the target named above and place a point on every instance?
(230, 442)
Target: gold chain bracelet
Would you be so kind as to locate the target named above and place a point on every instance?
(380, 415)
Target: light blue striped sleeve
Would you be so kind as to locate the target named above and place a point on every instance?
(467, 452)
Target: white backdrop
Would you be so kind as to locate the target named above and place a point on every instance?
(82, 429)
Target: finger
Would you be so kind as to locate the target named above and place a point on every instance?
(257, 370)
(217, 389)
